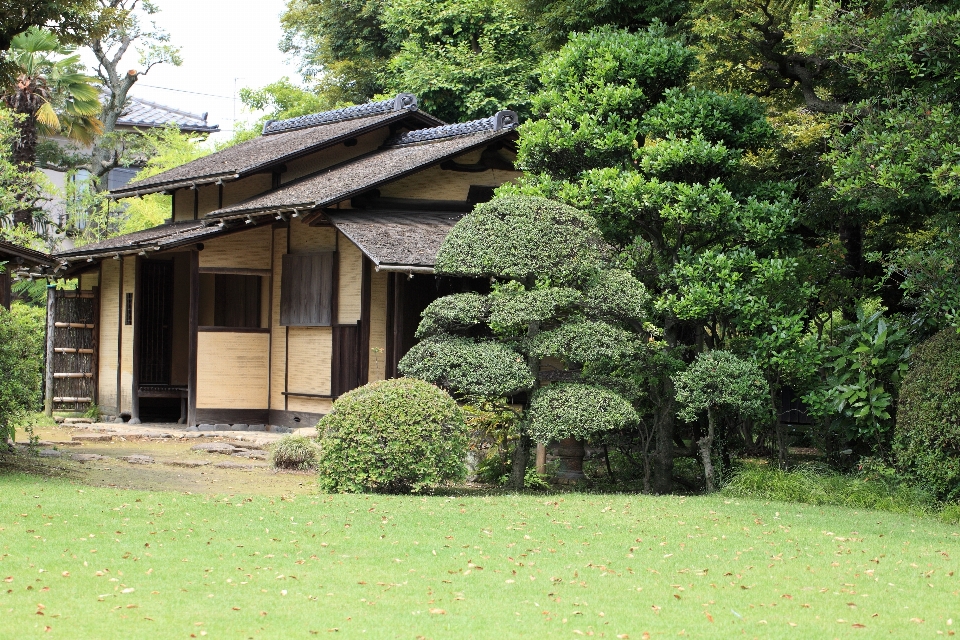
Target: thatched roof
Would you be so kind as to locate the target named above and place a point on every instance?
(396, 239)
(166, 236)
(402, 156)
(281, 142)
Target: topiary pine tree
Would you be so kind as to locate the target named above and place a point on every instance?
(662, 168)
(554, 298)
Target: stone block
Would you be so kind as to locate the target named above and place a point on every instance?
(206, 427)
(240, 427)
(256, 427)
(221, 427)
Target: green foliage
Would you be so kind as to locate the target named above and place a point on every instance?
(863, 374)
(17, 187)
(927, 433)
(574, 410)
(513, 308)
(468, 368)
(453, 314)
(733, 120)
(391, 436)
(873, 487)
(615, 293)
(722, 382)
(557, 19)
(22, 331)
(579, 342)
(929, 277)
(497, 239)
(464, 59)
(595, 92)
(294, 452)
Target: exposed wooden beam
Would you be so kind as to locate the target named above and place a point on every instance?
(194, 323)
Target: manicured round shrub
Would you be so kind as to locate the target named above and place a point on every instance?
(392, 436)
(927, 432)
(294, 452)
(575, 410)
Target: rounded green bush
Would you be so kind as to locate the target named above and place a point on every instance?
(392, 436)
(575, 410)
(294, 452)
(927, 432)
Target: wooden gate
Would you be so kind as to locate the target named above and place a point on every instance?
(75, 350)
(345, 372)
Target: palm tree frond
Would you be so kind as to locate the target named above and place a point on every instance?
(47, 116)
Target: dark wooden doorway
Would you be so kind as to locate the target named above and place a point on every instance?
(345, 373)
(156, 322)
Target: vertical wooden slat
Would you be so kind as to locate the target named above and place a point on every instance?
(95, 358)
(192, 331)
(51, 330)
(389, 362)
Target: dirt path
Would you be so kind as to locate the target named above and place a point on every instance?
(154, 458)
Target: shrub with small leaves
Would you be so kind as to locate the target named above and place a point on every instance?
(453, 313)
(927, 432)
(468, 368)
(574, 410)
(294, 452)
(392, 436)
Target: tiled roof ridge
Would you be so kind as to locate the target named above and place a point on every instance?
(402, 101)
(202, 117)
(501, 120)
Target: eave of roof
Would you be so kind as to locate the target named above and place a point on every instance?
(10, 250)
(397, 241)
(165, 236)
(271, 149)
(341, 182)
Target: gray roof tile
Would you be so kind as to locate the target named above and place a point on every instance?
(165, 236)
(142, 113)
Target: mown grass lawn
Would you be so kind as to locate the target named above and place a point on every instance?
(82, 562)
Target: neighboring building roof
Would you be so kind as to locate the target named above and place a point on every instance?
(142, 113)
(282, 140)
(394, 239)
(9, 250)
(166, 236)
(403, 155)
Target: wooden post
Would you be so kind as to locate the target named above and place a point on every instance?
(120, 347)
(135, 373)
(366, 267)
(51, 330)
(541, 458)
(194, 323)
(5, 293)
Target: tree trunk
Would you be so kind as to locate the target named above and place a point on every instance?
(521, 454)
(662, 481)
(706, 450)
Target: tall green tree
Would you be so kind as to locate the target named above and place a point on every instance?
(665, 171)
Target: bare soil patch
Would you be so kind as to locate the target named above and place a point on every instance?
(155, 464)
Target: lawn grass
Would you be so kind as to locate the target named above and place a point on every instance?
(106, 563)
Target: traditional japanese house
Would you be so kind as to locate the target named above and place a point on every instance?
(294, 266)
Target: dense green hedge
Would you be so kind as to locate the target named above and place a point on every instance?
(392, 436)
(927, 432)
(22, 331)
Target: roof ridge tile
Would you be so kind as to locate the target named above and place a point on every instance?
(402, 101)
(501, 120)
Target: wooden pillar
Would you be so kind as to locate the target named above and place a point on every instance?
(366, 267)
(194, 323)
(120, 346)
(135, 374)
(51, 331)
(541, 459)
(5, 293)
